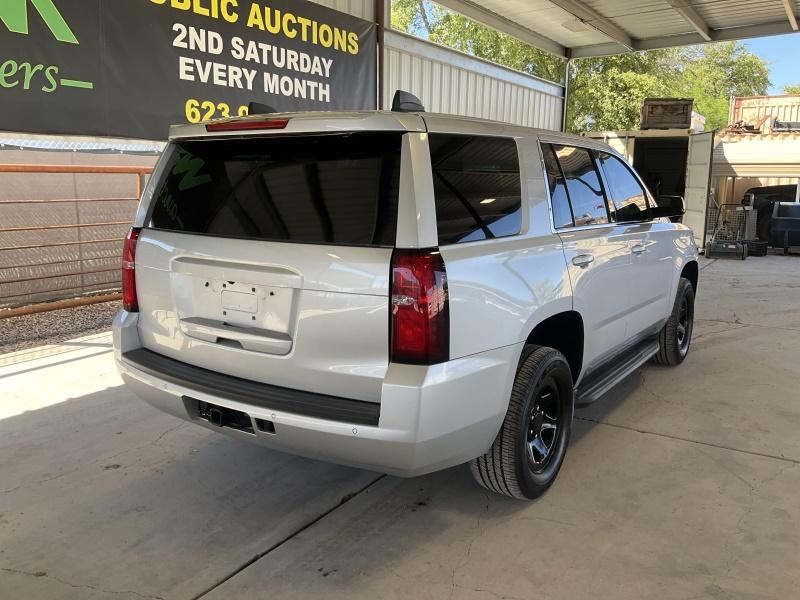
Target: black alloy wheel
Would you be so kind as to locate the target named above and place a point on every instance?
(544, 425)
(676, 335)
(684, 326)
(529, 449)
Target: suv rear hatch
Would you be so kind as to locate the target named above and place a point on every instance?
(268, 258)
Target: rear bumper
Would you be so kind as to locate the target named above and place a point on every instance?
(430, 418)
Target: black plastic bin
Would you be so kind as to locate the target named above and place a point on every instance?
(756, 247)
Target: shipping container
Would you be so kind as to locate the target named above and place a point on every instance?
(672, 162)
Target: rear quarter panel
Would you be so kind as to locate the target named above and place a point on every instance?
(500, 289)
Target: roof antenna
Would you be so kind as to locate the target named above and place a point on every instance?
(256, 108)
(406, 102)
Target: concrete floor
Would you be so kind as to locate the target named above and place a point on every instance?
(681, 483)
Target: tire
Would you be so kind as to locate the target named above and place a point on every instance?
(539, 411)
(676, 336)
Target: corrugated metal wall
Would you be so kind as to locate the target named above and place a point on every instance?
(364, 9)
(454, 83)
(451, 82)
(728, 190)
(776, 155)
(752, 109)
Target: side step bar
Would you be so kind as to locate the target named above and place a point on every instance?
(619, 368)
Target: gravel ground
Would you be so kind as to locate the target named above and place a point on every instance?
(29, 331)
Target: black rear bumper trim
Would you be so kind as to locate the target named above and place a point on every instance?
(262, 395)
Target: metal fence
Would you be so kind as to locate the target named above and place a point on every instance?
(62, 252)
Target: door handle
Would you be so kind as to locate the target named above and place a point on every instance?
(638, 249)
(582, 260)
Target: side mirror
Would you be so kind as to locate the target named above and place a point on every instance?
(669, 206)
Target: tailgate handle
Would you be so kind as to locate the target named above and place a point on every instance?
(249, 338)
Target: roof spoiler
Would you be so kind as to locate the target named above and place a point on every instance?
(406, 102)
(402, 102)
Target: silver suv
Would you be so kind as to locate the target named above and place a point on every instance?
(398, 291)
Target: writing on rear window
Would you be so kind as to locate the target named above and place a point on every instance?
(327, 189)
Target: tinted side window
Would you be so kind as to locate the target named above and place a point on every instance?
(627, 194)
(559, 199)
(476, 182)
(583, 184)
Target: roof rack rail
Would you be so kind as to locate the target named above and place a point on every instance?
(406, 102)
(256, 108)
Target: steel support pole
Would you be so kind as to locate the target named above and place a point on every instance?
(380, 20)
(565, 105)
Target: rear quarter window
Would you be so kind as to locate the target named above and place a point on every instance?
(325, 189)
(476, 182)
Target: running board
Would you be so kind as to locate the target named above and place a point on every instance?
(624, 365)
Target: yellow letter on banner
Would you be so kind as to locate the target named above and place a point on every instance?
(226, 6)
(255, 19)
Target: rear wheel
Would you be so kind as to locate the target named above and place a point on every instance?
(676, 336)
(530, 447)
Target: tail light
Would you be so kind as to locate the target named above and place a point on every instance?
(420, 310)
(129, 301)
(247, 125)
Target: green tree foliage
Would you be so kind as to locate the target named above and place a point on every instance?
(792, 89)
(712, 73)
(606, 93)
(439, 25)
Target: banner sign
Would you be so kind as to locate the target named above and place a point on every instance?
(130, 68)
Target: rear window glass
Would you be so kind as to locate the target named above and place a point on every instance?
(476, 183)
(328, 189)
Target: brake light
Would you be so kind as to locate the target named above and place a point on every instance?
(420, 327)
(247, 125)
(129, 300)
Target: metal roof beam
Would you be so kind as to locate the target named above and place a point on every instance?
(787, 5)
(689, 39)
(595, 20)
(690, 15)
(495, 21)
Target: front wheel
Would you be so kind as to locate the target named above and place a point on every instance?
(676, 336)
(530, 447)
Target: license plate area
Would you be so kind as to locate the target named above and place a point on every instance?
(245, 304)
(239, 301)
(220, 416)
(241, 295)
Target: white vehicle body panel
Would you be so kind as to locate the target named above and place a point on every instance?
(319, 296)
(602, 289)
(316, 317)
(431, 417)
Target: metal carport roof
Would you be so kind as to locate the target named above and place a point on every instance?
(582, 28)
